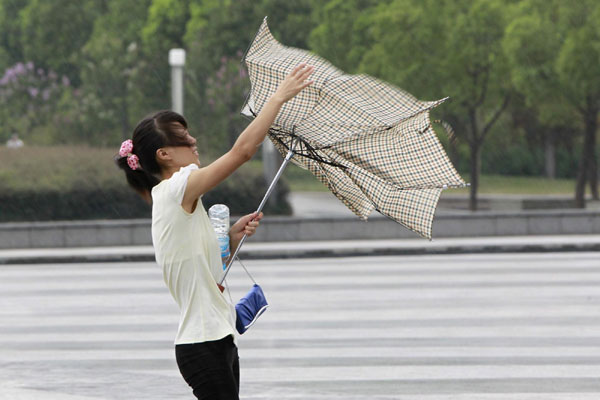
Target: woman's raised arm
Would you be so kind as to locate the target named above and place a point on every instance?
(206, 178)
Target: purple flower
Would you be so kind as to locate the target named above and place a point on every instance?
(65, 81)
(19, 69)
(29, 66)
(220, 73)
(46, 94)
(10, 75)
(33, 92)
(40, 72)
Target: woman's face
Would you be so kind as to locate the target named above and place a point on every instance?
(184, 155)
(183, 152)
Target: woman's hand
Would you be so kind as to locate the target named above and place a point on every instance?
(245, 225)
(294, 83)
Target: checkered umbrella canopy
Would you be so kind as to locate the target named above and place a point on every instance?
(369, 142)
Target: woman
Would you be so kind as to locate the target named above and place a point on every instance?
(161, 163)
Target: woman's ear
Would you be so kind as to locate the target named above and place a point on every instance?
(162, 155)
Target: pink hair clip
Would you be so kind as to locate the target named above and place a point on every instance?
(126, 150)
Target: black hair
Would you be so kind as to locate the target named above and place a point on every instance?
(161, 129)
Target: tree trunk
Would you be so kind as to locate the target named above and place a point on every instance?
(475, 171)
(588, 159)
(591, 127)
(593, 177)
(582, 172)
(550, 157)
(580, 183)
(475, 147)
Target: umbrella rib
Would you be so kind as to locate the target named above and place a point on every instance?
(310, 150)
(332, 188)
(254, 115)
(253, 39)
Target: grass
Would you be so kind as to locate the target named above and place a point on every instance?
(73, 166)
(62, 167)
(302, 180)
(531, 185)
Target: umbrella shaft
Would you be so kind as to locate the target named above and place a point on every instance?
(287, 159)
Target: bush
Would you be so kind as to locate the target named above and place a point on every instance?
(78, 182)
(516, 160)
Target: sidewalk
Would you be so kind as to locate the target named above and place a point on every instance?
(333, 248)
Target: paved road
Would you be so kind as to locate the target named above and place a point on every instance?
(460, 327)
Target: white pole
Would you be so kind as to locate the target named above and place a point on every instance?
(271, 162)
(285, 162)
(177, 62)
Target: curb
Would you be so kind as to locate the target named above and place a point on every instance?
(323, 249)
(72, 234)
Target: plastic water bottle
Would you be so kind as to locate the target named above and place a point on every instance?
(219, 218)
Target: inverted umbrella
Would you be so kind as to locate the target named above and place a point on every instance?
(369, 142)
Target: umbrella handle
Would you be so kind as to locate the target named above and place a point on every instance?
(286, 160)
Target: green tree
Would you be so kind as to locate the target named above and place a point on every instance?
(578, 74)
(30, 104)
(111, 60)
(432, 49)
(554, 49)
(291, 22)
(164, 29)
(529, 45)
(54, 32)
(11, 51)
(217, 35)
(342, 31)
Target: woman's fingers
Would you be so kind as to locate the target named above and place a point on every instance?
(298, 68)
(294, 82)
(306, 84)
(307, 71)
(301, 72)
(251, 228)
(305, 74)
(253, 223)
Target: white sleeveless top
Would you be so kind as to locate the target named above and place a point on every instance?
(187, 250)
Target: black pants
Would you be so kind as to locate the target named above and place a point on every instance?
(212, 369)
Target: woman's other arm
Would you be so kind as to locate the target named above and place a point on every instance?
(246, 225)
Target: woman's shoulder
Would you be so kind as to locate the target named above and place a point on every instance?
(178, 181)
(187, 168)
(158, 186)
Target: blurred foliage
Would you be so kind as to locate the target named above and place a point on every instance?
(302, 180)
(81, 182)
(521, 74)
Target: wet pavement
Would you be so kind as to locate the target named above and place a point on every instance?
(430, 327)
